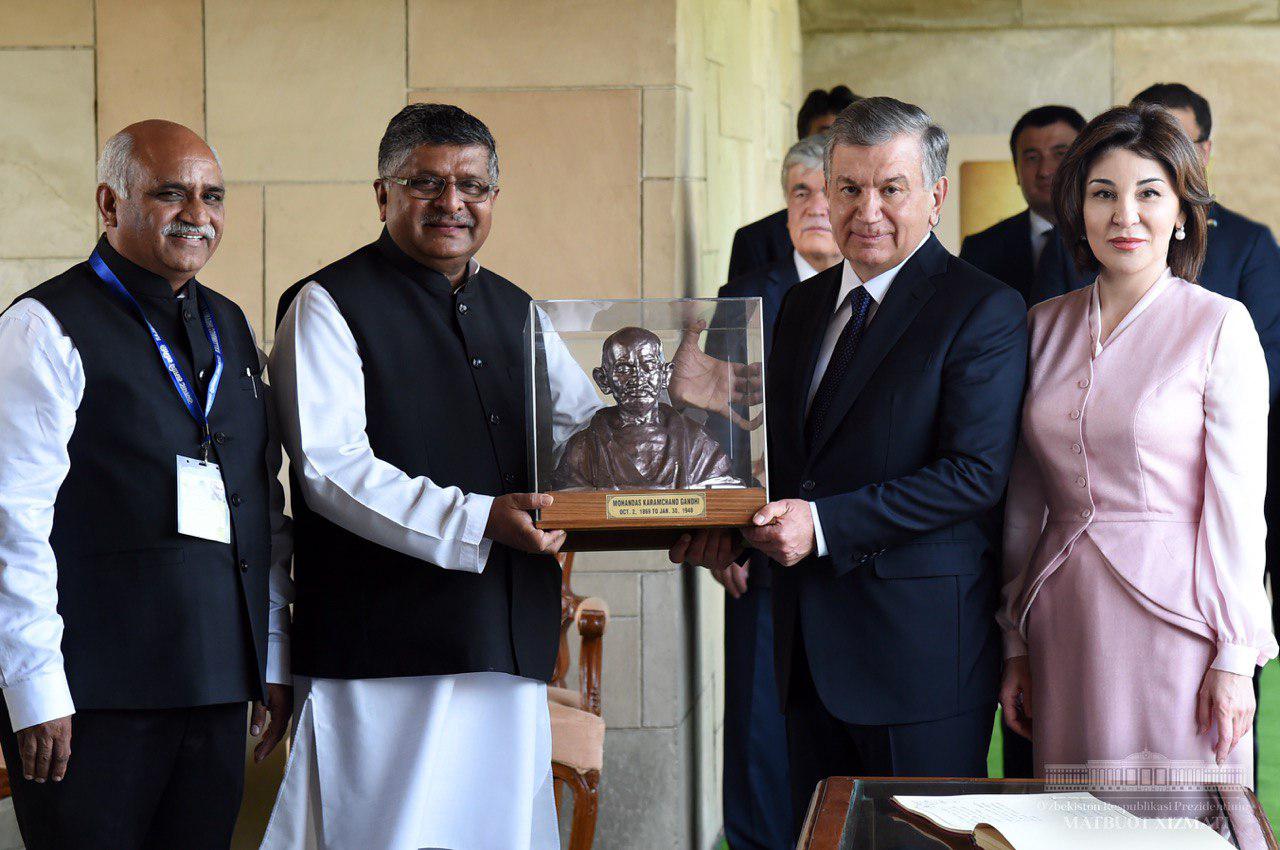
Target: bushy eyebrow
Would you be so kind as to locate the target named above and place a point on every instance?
(186, 187)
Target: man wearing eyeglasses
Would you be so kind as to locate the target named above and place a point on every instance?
(428, 604)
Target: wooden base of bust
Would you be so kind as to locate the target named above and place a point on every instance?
(613, 520)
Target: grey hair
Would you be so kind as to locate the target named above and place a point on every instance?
(116, 166)
(876, 120)
(432, 124)
(807, 153)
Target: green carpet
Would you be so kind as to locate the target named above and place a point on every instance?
(1268, 743)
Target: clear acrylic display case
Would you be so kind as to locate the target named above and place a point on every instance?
(646, 417)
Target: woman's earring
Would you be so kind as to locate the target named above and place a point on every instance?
(1180, 233)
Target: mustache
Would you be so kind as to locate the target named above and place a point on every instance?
(450, 219)
(181, 228)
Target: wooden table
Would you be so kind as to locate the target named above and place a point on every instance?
(853, 813)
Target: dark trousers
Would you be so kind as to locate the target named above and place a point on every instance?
(1017, 755)
(757, 801)
(137, 780)
(822, 745)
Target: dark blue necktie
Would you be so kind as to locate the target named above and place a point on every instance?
(841, 357)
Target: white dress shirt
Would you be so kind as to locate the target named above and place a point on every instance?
(1040, 227)
(475, 771)
(41, 384)
(877, 288)
(803, 270)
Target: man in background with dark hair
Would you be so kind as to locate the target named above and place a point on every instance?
(1017, 248)
(767, 241)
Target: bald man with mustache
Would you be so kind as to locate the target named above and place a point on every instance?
(143, 560)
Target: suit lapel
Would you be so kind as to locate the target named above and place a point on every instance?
(822, 303)
(909, 292)
(1026, 270)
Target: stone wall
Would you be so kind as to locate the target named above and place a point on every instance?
(634, 137)
(976, 65)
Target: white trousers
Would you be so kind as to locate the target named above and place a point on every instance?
(459, 762)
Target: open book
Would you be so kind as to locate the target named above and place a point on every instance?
(1063, 821)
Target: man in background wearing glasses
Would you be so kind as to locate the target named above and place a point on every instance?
(428, 604)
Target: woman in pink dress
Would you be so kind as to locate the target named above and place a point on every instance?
(1134, 613)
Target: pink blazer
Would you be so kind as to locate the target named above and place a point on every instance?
(1153, 443)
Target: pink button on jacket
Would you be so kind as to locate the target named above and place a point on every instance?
(1154, 444)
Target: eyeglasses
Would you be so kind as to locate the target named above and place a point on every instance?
(471, 191)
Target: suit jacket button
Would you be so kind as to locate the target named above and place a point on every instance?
(495, 419)
(220, 438)
(244, 565)
(509, 477)
(807, 484)
(477, 362)
(236, 500)
(462, 308)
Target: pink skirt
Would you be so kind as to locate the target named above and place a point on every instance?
(1114, 677)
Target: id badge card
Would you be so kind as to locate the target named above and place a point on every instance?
(202, 501)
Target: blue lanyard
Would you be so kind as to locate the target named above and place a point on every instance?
(180, 381)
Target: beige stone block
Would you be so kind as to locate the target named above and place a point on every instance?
(966, 148)
(727, 209)
(1235, 68)
(567, 221)
(620, 686)
(670, 238)
(666, 655)
(48, 23)
(310, 226)
(620, 590)
(713, 269)
(962, 78)
(302, 92)
(691, 47)
(638, 561)
(150, 63)
(237, 267)
(739, 102)
(1164, 12)
(673, 133)
(17, 276)
(497, 43)
(837, 15)
(46, 154)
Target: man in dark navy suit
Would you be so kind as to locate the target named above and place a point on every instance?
(894, 388)
(757, 802)
(767, 241)
(1011, 250)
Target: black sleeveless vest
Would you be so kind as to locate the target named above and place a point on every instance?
(154, 619)
(444, 399)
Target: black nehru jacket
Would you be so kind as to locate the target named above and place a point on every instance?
(444, 399)
(152, 618)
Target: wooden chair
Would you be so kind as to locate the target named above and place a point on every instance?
(577, 730)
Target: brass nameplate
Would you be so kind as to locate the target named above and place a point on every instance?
(647, 506)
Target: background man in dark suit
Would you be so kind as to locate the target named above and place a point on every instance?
(757, 805)
(1011, 249)
(895, 383)
(767, 240)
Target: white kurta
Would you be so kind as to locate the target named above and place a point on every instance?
(458, 761)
